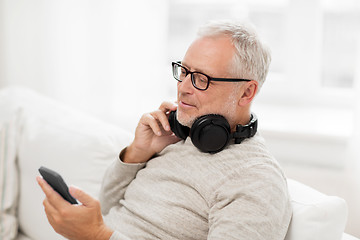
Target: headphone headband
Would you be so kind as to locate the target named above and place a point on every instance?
(246, 131)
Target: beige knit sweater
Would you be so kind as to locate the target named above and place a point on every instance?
(238, 193)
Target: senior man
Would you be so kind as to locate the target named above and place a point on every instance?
(213, 179)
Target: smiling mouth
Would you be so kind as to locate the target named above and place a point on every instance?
(186, 105)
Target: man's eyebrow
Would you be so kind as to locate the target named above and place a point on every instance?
(193, 69)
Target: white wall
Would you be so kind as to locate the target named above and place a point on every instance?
(90, 54)
(2, 47)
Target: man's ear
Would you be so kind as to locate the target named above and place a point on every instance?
(248, 93)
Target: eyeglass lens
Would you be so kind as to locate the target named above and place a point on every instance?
(199, 80)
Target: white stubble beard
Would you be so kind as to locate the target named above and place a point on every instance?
(188, 122)
(228, 111)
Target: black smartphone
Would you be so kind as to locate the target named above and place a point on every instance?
(57, 183)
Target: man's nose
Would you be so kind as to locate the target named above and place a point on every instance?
(186, 84)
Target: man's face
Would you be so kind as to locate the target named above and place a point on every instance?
(211, 56)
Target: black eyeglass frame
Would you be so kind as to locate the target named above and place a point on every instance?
(178, 63)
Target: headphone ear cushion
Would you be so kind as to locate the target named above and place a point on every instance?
(179, 130)
(210, 133)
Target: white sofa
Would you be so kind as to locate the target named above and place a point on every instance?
(36, 131)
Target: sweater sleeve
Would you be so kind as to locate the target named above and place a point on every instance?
(256, 207)
(118, 236)
(116, 179)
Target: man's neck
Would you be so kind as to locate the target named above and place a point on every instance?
(243, 118)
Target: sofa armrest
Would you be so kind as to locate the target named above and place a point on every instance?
(348, 237)
(315, 215)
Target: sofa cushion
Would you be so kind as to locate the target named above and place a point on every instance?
(76, 145)
(315, 215)
(21, 236)
(9, 136)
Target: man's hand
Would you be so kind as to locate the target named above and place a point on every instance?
(75, 222)
(152, 135)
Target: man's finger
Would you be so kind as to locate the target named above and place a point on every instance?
(82, 196)
(50, 210)
(53, 197)
(151, 121)
(162, 118)
(168, 106)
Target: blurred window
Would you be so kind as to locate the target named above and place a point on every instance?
(313, 42)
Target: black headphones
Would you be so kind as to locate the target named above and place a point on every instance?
(211, 133)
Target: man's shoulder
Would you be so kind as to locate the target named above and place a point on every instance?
(250, 158)
(250, 149)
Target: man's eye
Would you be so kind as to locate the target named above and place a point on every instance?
(183, 72)
(203, 79)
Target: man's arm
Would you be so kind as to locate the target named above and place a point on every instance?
(152, 135)
(254, 206)
(116, 179)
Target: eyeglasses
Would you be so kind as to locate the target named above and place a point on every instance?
(199, 80)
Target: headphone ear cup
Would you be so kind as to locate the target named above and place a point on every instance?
(210, 133)
(179, 130)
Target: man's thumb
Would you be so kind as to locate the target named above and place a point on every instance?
(81, 196)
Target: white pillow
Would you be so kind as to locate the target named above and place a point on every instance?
(22, 237)
(77, 146)
(315, 215)
(9, 136)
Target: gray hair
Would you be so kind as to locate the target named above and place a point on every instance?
(252, 57)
